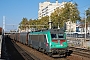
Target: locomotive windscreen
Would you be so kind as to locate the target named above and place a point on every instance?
(57, 35)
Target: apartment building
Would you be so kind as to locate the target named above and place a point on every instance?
(46, 8)
(70, 27)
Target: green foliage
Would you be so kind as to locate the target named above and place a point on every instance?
(38, 24)
(58, 17)
(43, 21)
(62, 15)
(32, 23)
(24, 24)
(88, 14)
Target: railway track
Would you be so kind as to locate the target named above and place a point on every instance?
(26, 55)
(36, 55)
(81, 52)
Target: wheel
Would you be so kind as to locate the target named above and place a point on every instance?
(65, 55)
(39, 49)
(50, 54)
(45, 52)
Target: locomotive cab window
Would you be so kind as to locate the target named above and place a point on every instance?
(53, 35)
(60, 36)
(57, 35)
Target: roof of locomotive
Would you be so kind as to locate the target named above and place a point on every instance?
(46, 31)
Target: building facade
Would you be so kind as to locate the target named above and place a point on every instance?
(70, 27)
(46, 8)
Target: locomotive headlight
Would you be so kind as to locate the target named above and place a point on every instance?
(61, 44)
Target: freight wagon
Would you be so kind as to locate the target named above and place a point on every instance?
(24, 37)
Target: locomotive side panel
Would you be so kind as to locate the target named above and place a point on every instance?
(39, 40)
(34, 41)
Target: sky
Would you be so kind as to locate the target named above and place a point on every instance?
(15, 10)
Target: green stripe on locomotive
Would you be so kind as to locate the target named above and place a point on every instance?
(57, 43)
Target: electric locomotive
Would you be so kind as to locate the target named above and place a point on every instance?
(52, 41)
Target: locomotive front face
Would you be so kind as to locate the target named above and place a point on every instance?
(58, 41)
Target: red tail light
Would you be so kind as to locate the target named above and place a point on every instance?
(55, 41)
(61, 41)
(46, 44)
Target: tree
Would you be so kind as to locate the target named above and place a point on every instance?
(87, 19)
(64, 14)
(32, 23)
(43, 21)
(55, 18)
(71, 11)
(88, 15)
(39, 24)
(24, 24)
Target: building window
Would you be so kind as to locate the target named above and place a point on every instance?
(50, 4)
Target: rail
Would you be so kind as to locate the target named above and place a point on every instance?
(26, 55)
(81, 52)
